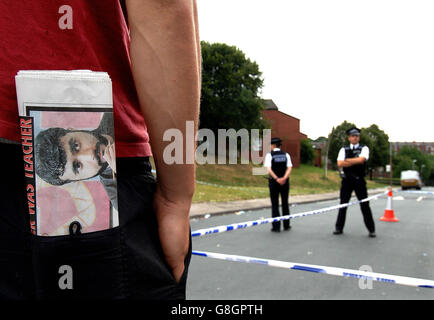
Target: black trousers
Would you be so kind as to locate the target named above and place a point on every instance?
(275, 190)
(359, 186)
(125, 262)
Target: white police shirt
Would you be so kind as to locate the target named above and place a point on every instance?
(268, 158)
(364, 153)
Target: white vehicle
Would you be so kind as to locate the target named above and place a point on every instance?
(410, 179)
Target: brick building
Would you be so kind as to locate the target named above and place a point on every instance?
(285, 127)
(424, 147)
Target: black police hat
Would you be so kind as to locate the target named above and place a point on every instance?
(275, 140)
(353, 131)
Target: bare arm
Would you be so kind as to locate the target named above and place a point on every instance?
(272, 174)
(165, 60)
(285, 177)
(275, 177)
(287, 173)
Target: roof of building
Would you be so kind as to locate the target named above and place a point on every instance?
(270, 105)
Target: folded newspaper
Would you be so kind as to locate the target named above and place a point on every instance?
(67, 136)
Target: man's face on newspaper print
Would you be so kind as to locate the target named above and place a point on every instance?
(84, 155)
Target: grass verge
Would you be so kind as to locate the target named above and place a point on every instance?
(236, 182)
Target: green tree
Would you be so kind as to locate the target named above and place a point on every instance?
(337, 140)
(378, 142)
(321, 139)
(401, 163)
(307, 154)
(430, 180)
(230, 89)
(411, 158)
(373, 137)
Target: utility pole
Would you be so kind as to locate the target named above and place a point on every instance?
(390, 162)
(327, 152)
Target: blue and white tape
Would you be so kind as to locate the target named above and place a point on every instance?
(247, 224)
(418, 191)
(341, 272)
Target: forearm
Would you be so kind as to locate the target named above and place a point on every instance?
(165, 61)
(271, 173)
(166, 67)
(287, 173)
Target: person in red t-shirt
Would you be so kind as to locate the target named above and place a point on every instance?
(151, 51)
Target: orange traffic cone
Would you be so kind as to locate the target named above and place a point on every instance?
(389, 214)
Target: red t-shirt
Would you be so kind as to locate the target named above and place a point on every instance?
(47, 35)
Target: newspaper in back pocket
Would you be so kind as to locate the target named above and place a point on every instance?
(68, 143)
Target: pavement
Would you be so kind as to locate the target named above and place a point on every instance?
(204, 208)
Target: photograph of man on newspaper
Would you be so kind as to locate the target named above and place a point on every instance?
(68, 155)
(65, 155)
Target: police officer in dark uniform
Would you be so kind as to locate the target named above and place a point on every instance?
(279, 166)
(353, 161)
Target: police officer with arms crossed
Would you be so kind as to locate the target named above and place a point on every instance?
(279, 166)
(353, 161)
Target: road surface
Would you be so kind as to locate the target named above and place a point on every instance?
(404, 248)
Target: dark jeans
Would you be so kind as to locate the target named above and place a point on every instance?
(125, 262)
(359, 186)
(275, 190)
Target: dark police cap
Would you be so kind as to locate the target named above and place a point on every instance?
(353, 131)
(275, 140)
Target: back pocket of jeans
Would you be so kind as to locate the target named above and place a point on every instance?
(83, 266)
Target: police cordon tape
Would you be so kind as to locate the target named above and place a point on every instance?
(247, 224)
(350, 273)
(417, 191)
(342, 272)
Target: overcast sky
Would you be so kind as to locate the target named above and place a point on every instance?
(366, 61)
